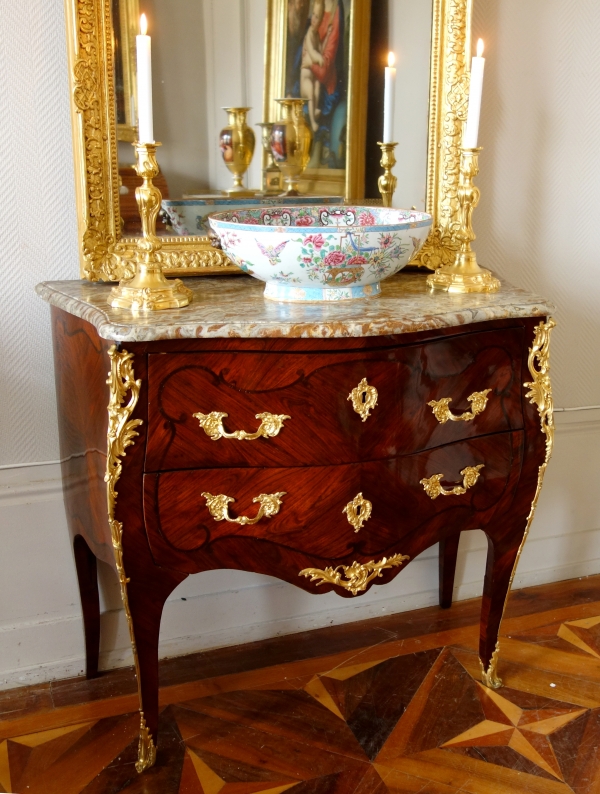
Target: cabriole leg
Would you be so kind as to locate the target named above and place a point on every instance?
(447, 566)
(501, 560)
(87, 576)
(146, 597)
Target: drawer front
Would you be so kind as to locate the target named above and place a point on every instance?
(265, 520)
(271, 409)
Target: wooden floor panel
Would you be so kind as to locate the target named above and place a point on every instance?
(380, 707)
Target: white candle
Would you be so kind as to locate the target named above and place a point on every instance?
(472, 128)
(388, 100)
(144, 84)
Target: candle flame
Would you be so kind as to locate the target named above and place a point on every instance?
(480, 48)
(391, 59)
(143, 25)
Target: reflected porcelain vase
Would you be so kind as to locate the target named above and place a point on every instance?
(237, 142)
(291, 139)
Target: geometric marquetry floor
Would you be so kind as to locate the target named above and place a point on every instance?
(380, 707)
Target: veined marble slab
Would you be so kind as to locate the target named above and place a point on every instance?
(234, 306)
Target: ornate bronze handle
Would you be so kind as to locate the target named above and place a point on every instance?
(355, 577)
(364, 399)
(433, 487)
(219, 507)
(212, 424)
(443, 413)
(358, 511)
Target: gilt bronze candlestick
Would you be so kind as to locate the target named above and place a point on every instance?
(465, 275)
(387, 181)
(148, 290)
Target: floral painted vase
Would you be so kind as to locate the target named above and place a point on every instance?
(237, 142)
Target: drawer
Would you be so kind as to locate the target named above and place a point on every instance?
(209, 410)
(198, 519)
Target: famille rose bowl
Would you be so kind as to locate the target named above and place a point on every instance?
(321, 253)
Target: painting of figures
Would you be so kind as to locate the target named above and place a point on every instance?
(312, 58)
(317, 70)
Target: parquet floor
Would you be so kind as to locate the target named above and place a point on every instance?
(386, 706)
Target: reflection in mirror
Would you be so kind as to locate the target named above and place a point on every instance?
(125, 21)
(207, 56)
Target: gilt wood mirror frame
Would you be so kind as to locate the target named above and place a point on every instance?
(106, 255)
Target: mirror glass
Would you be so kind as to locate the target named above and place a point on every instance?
(209, 55)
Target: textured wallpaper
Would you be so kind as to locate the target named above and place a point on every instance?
(536, 225)
(38, 223)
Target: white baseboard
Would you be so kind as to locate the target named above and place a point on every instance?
(70, 632)
(41, 632)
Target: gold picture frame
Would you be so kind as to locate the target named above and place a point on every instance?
(106, 255)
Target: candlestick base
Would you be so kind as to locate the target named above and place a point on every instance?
(387, 181)
(465, 275)
(148, 290)
(462, 278)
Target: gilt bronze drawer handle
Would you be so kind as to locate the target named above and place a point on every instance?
(443, 413)
(358, 511)
(218, 507)
(434, 488)
(364, 399)
(355, 577)
(212, 424)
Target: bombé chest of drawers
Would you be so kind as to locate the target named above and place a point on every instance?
(325, 445)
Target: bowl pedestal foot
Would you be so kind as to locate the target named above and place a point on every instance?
(289, 293)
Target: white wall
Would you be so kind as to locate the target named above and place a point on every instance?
(410, 40)
(538, 130)
(540, 170)
(206, 55)
(234, 41)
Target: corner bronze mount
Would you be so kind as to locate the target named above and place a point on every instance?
(120, 435)
(539, 394)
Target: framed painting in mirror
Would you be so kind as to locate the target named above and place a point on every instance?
(103, 113)
(318, 50)
(125, 15)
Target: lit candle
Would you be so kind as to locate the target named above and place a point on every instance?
(472, 128)
(388, 100)
(144, 84)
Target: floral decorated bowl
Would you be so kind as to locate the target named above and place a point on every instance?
(320, 253)
(190, 215)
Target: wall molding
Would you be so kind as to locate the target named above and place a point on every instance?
(70, 631)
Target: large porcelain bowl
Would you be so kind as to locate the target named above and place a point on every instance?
(321, 253)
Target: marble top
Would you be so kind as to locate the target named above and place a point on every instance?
(234, 306)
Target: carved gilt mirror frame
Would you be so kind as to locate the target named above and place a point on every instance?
(106, 255)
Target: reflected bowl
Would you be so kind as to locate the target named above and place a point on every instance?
(189, 216)
(321, 253)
